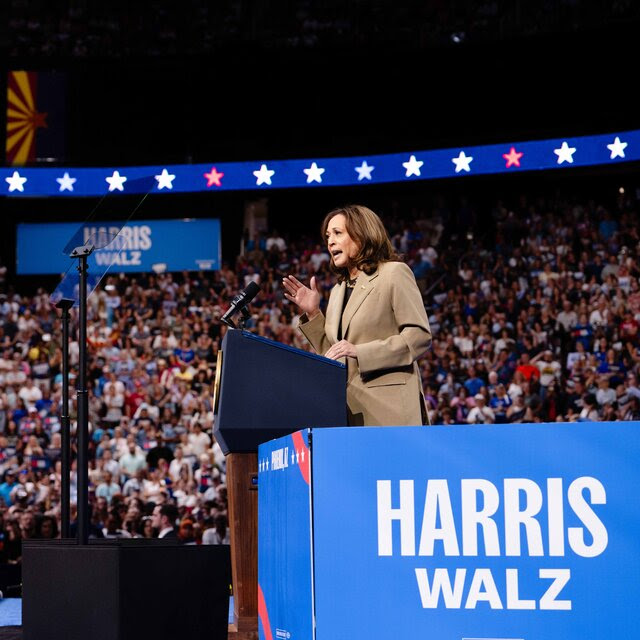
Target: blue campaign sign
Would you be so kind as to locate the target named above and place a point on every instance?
(141, 245)
(498, 531)
(284, 541)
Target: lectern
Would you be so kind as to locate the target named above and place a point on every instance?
(264, 390)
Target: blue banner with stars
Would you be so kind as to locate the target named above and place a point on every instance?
(507, 157)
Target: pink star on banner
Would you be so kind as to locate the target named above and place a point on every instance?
(214, 177)
(513, 157)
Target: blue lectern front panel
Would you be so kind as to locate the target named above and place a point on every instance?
(500, 531)
(284, 539)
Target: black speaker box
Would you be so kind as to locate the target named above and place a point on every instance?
(124, 590)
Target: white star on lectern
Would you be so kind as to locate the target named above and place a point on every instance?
(116, 181)
(16, 182)
(462, 162)
(165, 179)
(364, 171)
(412, 166)
(263, 175)
(314, 173)
(66, 182)
(617, 148)
(565, 153)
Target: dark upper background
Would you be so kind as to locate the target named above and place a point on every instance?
(179, 81)
(171, 82)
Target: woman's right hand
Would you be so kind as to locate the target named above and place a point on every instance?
(308, 299)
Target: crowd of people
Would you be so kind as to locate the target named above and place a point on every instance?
(152, 360)
(537, 320)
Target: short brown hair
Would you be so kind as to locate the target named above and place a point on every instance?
(368, 232)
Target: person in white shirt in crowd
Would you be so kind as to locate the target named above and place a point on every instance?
(601, 315)
(118, 443)
(30, 393)
(113, 382)
(550, 369)
(147, 410)
(132, 461)
(481, 413)
(567, 318)
(134, 486)
(154, 488)
(276, 242)
(219, 533)
(110, 464)
(178, 463)
(199, 440)
(319, 257)
(605, 394)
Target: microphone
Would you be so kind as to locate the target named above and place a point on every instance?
(240, 303)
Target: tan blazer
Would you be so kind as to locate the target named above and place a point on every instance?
(386, 321)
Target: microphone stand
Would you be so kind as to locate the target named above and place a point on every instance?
(65, 422)
(82, 393)
(245, 315)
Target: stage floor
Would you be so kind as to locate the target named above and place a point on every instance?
(11, 619)
(10, 612)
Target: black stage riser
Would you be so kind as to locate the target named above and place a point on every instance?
(125, 591)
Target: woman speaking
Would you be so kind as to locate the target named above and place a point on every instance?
(375, 319)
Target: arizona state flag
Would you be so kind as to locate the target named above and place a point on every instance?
(35, 116)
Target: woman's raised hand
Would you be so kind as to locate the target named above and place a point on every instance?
(308, 299)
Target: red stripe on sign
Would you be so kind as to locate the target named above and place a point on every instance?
(263, 614)
(303, 455)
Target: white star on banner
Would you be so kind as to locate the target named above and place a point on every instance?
(617, 148)
(16, 182)
(165, 179)
(263, 175)
(297, 456)
(267, 463)
(565, 153)
(302, 454)
(462, 162)
(116, 181)
(66, 182)
(364, 171)
(412, 166)
(314, 173)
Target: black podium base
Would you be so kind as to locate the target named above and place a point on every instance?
(124, 590)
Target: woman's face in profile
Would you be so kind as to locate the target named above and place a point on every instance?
(342, 247)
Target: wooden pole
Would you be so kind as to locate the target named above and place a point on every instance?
(242, 471)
